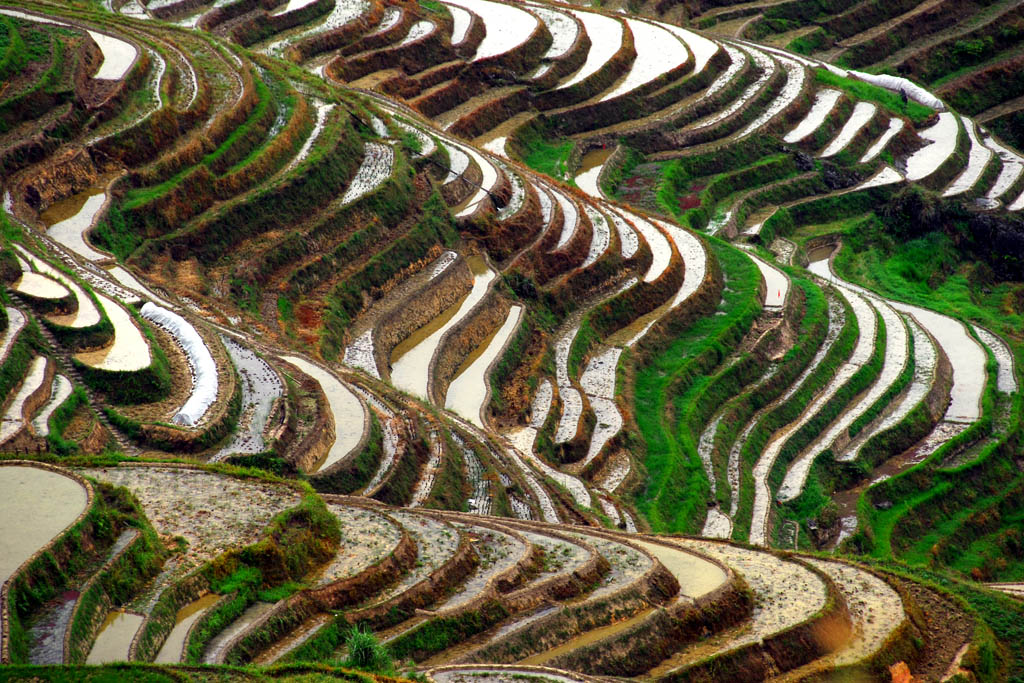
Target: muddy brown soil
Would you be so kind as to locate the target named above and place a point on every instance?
(947, 629)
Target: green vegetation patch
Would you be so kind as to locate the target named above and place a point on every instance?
(916, 112)
(296, 540)
(545, 155)
(809, 43)
(61, 419)
(450, 491)
(442, 633)
(677, 488)
(692, 202)
(931, 264)
(932, 271)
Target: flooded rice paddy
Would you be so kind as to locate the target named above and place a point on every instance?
(114, 638)
(51, 502)
(347, 410)
(68, 220)
(174, 646)
(468, 389)
(129, 350)
(410, 360)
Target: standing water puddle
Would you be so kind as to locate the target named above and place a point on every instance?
(173, 647)
(68, 220)
(468, 390)
(115, 638)
(410, 360)
(35, 506)
(590, 169)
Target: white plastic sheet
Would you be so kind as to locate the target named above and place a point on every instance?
(897, 83)
(204, 369)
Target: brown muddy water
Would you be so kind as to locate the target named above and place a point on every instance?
(114, 638)
(468, 390)
(590, 169)
(35, 506)
(410, 360)
(68, 220)
(696, 575)
(172, 648)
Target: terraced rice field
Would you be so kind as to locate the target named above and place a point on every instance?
(411, 359)
(114, 638)
(468, 390)
(66, 500)
(129, 350)
(171, 650)
(213, 513)
(368, 538)
(68, 229)
(347, 411)
(542, 341)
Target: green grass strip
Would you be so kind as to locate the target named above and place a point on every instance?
(677, 490)
(861, 90)
(741, 408)
(137, 198)
(15, 53)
